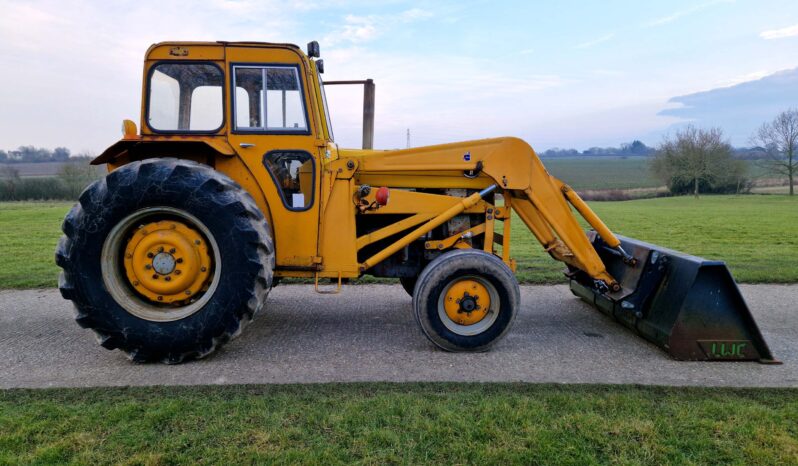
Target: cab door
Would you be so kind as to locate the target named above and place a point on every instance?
(273, 129)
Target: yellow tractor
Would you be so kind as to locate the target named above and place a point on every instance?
(235, 181)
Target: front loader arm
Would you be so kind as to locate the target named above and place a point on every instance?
(540, 200)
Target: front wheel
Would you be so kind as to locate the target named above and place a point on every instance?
(408, 284)
(466, 300)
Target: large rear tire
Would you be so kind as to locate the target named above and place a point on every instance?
(466, 300)
(165, 259)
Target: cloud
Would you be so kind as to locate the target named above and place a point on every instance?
(358, 29)
(741, 108)
(686, 12)
(752, 76)
(596, 41)
(789, 31)
(441, 97)
(415, 14)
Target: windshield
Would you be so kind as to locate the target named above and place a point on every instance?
(185, 97)
(326, 108)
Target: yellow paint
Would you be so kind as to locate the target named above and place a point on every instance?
(188, 270)
(322, 240)
(471, 290)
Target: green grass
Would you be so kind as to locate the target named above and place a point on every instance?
(598, 173)
(29, 232)
(400, 423)
(751, 233)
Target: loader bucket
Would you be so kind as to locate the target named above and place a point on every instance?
(688, 306)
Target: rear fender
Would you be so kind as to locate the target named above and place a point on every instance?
(128, 150)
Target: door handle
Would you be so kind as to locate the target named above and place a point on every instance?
(246, 145)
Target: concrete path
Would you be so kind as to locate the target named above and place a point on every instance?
(367, 333)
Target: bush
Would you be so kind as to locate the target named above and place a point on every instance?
(740, 185)
(34, 189)
(70, 182)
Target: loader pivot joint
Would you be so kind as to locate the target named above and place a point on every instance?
(475, 172)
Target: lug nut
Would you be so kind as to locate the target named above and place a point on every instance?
(160, 249)
(177, 272)
(155, 276)
(172, 251)
(168, 279)
(150, 255)
(179, 261)
(147, 266)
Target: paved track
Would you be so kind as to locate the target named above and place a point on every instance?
(367, 333)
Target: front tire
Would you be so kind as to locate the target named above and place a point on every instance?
(466, 300)
(408, 284)
(165, 259)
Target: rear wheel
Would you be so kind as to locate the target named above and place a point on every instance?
(165, 259)
(466, 300)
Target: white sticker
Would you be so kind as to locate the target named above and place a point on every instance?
(297, 200)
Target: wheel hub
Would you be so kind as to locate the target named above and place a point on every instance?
(467, 302)
(167, 262)
(163, 263)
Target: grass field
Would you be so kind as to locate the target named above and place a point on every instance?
(751, 233)
(399, 423)
(603, 172)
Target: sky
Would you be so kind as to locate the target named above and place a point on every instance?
(557, 74)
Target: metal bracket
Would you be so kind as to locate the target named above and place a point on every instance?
(450, 241)
(327, 291)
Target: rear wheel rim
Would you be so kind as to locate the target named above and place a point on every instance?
(468, 305)
(161, 264)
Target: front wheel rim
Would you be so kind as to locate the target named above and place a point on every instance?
(477, 309)
(161, 264)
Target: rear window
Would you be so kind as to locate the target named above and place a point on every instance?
(185, 97)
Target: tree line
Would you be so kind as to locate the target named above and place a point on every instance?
(31, 154)
(634, 148)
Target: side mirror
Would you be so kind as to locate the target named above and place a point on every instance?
(320, 66)
(313, 49)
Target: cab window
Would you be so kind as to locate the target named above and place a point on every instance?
(269, 99)
(185, 97)
(294, 176)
